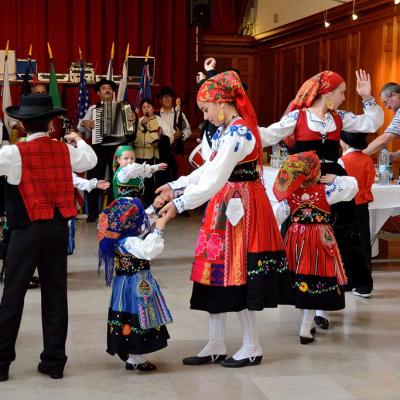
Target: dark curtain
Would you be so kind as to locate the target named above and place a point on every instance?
(94, 25)
(226, 16)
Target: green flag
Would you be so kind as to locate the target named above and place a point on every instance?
(53, 87)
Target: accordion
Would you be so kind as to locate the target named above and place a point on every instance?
(111, 123)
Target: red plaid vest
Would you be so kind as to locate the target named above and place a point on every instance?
(46, 180)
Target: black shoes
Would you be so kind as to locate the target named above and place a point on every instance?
(322, 322)
(54, 373)
(3, 376)
(91, 219)
(232, 363)
(362, 292)
(147, 366)
(196, 360)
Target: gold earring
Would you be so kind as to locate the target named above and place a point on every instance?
(220, 115)
(329, 104)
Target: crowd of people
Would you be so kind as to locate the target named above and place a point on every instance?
(243, 262)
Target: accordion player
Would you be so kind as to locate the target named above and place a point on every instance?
(112, 124)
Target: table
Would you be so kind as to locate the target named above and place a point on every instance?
(385, 205)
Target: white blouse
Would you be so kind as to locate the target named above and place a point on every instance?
(369, 122)
(146, 249)
(82, 183)
(343, 188)
(135, 170)
(231, 147)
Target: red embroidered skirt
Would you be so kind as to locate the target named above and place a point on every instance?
(245, 264)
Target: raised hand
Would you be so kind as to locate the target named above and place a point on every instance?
(209, 64)
(328, 178)
(363, 83)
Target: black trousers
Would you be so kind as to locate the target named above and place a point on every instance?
(105, 156)
(42, 244)
(152, 183)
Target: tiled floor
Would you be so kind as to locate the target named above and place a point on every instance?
(359, 358)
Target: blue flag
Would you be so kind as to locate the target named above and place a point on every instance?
(83, 96)
(144, 87)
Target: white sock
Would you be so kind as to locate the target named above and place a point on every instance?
(216, 337)
(322, 313)
(135, 359)
(307, 323)
(251, 346)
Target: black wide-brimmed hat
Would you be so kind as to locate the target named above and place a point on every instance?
(105, 81)
(35, 106)
(166, 91)
(357, 140)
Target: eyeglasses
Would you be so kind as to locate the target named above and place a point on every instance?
(385, 102)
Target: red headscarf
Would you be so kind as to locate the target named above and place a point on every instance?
(322, 83)
(227, 87)
(297, 170)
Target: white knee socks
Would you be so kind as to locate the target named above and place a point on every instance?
(216, 338)
(322, 313)
(307, 323)
(135, 359)
(251, 345)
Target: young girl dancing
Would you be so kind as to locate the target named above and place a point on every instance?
(312, 252)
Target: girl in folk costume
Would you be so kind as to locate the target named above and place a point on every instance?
(138, 314)
(314, 123)
(240, 264)
(360, 165)
(129, 176)
(314, 259)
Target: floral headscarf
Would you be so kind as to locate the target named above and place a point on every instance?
(227, 87)
(297, 170)
(322, 83)
(123, 217)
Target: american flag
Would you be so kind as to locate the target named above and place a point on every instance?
(144, 87)
(83, 96)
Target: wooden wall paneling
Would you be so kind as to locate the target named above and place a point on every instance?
(353, 101)
(288, 83)
(311, 59)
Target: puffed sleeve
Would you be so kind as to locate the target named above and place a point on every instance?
(146, 249)
(279, 130)
(369, 122)
(343, 188)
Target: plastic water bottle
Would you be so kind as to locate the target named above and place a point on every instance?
(284, 153)
(384, 167)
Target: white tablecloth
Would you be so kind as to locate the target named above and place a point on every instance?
(386, 203)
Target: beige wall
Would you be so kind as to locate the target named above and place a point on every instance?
(288, 11)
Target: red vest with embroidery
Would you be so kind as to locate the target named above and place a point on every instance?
(327, 147)
(360, 166)
(46, 180)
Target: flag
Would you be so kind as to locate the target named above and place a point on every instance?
(6, 95)
(83, 95)
(110, 74)
(144, 84)
(122, 92)
(53, 87)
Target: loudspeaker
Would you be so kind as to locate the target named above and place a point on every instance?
(200, 12)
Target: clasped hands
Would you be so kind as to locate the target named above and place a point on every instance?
(163, 200)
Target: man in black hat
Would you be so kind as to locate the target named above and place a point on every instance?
(39, 202)
(179, 126)
(105, 89)
(360, 165)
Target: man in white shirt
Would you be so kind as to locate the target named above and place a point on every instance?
(179, 126)
(40, 200)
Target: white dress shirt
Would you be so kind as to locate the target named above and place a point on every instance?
(169, 118)
(82, 159)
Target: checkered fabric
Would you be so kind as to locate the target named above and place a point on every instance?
(46, 181)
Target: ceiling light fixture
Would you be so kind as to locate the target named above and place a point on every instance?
(354, 16)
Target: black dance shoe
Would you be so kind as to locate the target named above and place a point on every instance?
(3, 375)
(147, 366)
(244, 362)
(196, 360)
(322, 322)
(306, 340)
(54, 373)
